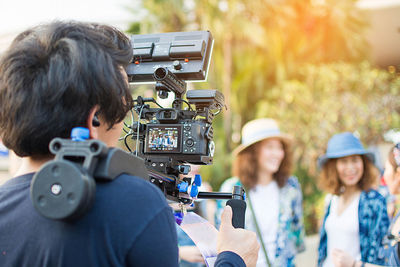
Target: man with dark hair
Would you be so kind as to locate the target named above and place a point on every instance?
(63, 75)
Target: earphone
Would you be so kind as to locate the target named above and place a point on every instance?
(95, 121)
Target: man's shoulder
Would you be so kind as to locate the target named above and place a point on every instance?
(133, 184)
(131, 192)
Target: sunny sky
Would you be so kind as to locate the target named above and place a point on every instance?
(16, 15)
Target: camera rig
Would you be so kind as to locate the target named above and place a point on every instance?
(168, 139)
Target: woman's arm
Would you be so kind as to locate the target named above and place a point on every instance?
(377, 230)
(298, 223)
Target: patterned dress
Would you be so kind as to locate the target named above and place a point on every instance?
(373, 224)
(290, 234)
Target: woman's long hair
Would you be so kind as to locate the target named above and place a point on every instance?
(330, 182)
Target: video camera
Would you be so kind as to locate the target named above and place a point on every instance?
(169, 139)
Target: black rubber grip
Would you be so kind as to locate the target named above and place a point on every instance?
(238, 208)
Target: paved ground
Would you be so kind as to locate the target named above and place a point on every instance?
(309, 257)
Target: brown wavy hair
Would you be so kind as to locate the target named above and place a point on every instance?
(330, 182)
(246, 167)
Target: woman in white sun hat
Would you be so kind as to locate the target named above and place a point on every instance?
(263, 164)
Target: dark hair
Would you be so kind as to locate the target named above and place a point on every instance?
(330, 181)
(53, 75)
(246, 167)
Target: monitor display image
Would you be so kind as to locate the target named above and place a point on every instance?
(163, 139)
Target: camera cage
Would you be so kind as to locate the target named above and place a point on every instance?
(171, 138)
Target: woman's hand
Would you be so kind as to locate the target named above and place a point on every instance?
(342, 259)
(190, 254)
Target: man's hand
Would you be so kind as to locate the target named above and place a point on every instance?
(190, 254)
(240, 241)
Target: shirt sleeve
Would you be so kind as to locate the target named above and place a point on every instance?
(157, 245)
(297, 230)
(229, 259)
(377, 231)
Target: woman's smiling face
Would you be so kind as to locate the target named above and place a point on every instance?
(271, 154)
(350, 169)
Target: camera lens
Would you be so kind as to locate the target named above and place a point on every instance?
(167, 114)
(163, 94)
(160, 73)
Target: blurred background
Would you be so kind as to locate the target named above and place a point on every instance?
(318, 66)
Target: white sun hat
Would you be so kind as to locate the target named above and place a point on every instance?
(260, 129)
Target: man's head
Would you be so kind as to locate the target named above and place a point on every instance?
(54, 76)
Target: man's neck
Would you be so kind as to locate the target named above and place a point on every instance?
(29, 164)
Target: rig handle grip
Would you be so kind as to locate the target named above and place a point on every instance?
(239, 209)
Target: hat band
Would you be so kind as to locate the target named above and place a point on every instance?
(255, 136)
(347, 152)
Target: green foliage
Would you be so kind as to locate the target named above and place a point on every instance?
(311, 197)
(134, 28)
(162, 16)
(329, 98)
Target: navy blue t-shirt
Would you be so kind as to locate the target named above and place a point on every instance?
(130, 224)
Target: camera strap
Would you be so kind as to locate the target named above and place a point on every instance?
(253, 214)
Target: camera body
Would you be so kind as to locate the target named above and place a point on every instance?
(172, 136)
(186, 138)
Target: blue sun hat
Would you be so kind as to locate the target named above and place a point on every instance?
(343, 145)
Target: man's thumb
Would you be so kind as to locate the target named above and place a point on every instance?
(226, 218)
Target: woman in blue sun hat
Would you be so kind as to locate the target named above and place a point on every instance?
(356, 219)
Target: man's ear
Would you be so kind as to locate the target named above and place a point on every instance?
(93, 123)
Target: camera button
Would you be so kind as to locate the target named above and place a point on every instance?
(189, 142)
